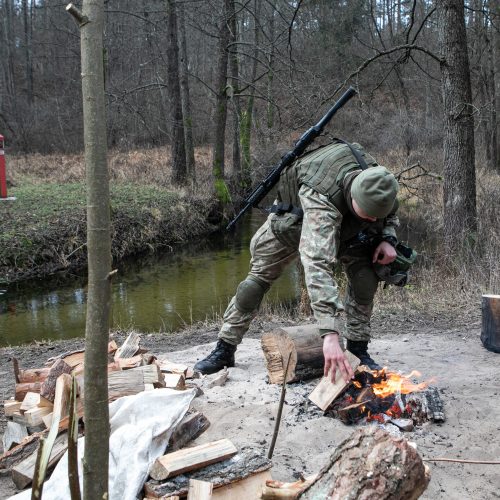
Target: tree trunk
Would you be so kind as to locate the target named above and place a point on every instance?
(27, 51)
(220, 115)
(270, 75)
(179, 176)
(460, 220)
(186, 98)
(95, 467)
(371, 464)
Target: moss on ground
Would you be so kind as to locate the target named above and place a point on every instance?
(44, 230)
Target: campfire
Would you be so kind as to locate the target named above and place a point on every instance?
(383, 396)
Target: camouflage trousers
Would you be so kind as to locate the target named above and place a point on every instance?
(269, 258)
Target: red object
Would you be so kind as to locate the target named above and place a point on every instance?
(3, 175)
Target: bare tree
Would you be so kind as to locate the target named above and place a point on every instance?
(460, 218)
(179, 176)
(96, 461)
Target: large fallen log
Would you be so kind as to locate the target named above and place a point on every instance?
(245, 463)
(305, 346)
(371, 463)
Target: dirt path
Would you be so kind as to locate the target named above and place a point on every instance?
(467, 375)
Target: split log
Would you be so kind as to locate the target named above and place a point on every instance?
(490, 327)
(279, 490)
(14, 434)
(11, 406)
(33, 399)
(199, 490)
(174, 381)
(189, 428)
(371, 464)
(188, 459)
(130, 347)
(124, 383)
(48, 387)
(327, 391)
(23, 472)
(305, 346)
(248, 488)
(152, 375)
(133, 362)
(34, 416)
(33, 375)
(19, 452)
(245, 463)
(60, 409)
(18, 417)
(170, 367)
(24, 387)
(220, 379)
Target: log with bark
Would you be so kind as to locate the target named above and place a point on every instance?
(305, 346)
(245, 463)
(490, 328)
(48, 388)
(371, 463)
(191, 426)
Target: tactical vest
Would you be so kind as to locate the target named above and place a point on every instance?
(324, 170)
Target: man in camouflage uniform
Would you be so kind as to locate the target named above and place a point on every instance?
(329, 201)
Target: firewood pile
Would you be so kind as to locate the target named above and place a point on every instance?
(216, 469)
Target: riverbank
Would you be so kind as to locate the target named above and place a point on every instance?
(244, 410)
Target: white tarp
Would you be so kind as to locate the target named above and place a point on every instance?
(141, 426)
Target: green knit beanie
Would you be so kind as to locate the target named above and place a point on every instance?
(375, 190)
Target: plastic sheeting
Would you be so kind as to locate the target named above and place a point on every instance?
(141, 426)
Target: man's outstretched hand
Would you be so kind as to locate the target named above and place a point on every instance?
(384, 254)
(335, 357)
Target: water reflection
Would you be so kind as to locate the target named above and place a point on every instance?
(158, 293)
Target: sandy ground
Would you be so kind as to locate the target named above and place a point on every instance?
(244, 410)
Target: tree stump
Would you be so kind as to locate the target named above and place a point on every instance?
(490, 329)
(305, 346)
(371, 464)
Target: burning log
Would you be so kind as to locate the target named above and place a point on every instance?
(306, 347)
(490, 329)
(371, 464)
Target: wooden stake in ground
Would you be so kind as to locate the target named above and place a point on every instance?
(490, 328)
(371, 464)
(306, 349)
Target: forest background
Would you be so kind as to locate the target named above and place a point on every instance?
(203, 96)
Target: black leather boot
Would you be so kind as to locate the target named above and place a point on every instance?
(360, 349)
(221, 356)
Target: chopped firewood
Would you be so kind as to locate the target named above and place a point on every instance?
(18, 417)
(190, 459)
(152, 375)
(60, 410)
(33, 375)
(48, 387)
(249, 488)
(371, 464)
(112, 347)
(130, 347)
(326, 391)
(24, 387)
(10, 406)
(74, 359)
(220, 379)
(23, 472)
(127, 363)
(34, 416)
(305, 346)
(33, 399)
(112, 367)
(174, 381)
(149, 387)
(14, 434)
(199, 490)
(242, 465)
(189, 428)
(190, 373)
(19, 452)
(170, 367)
(124, 383)
(277, 489)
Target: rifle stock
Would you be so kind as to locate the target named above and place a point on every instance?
(260, 191)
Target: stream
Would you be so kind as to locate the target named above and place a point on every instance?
(160, 293)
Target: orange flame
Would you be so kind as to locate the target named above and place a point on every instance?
(396, 383)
